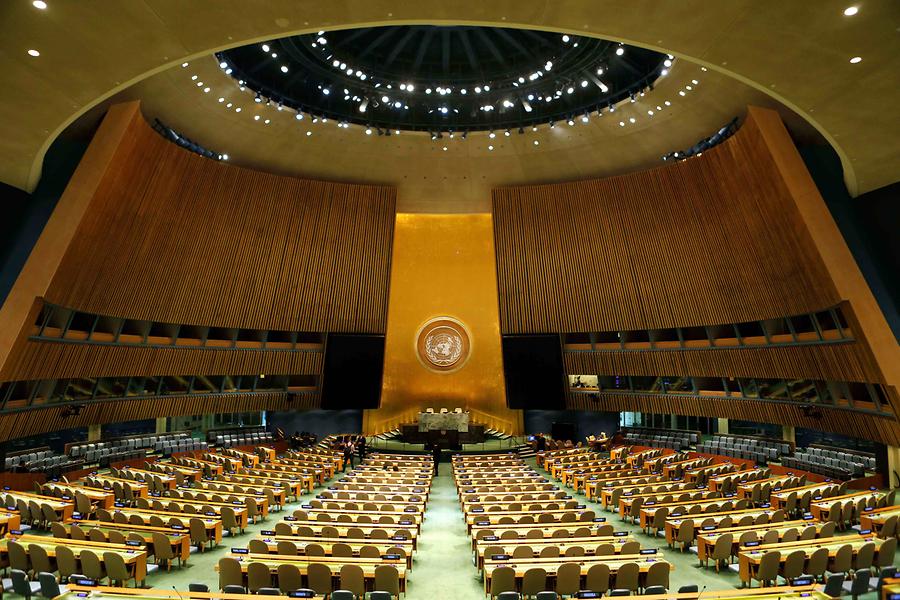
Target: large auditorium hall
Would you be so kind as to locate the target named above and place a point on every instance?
(450, 300)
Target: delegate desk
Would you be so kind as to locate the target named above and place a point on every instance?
(293, 486)
(139, 489)
(759, 515)
(590, 545)
(135, 558)
(76, 592)
(779, 499)
(655, 499)
(716, 482)
(177, 505)
(179, 539)
(745, 489)
(212, 523)
(551, 565)
(821, 508)
(593, 486)
(101, 499)
(9, 520)
(169, 482)
(610, 496)
(749, 558)
(376, 532)
(302, 562)
(715, 505)
(183, 496)
(323, 515)
(706, 540)
(547, 530)
(356, 544)
(62, 508)
(307, 479)
(278, 494)
(874, 518)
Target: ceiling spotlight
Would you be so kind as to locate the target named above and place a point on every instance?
(565, 39)
(585, 118)
(848, 12)
(570, 90)
(224, 157)
(326, 91)
(385, 99)
(506, 133)
(193, 78)
(238, 109)
(433, 136)
(444, 148)
(368, 131)
(229, 105)
(534, 127)
(490, 147)
(364, 105)
(256, 118)
(664, 72)
(631, 120)
(584, 83)
(492, 135)
(221, 99)
(571, 121)
(284, 69)
(620, 51)
(621, 123)
(299, 116)
(40, 4)
(681, 93)
(536, 143)
(35, 53)
(477, 89)
(853, 60)
(223, 64)
(265, 48)
(206, 90)
(184, 65)
(309, 133)
(267, 121)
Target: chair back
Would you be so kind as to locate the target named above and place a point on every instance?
(319, 577)
(533, 581)
(230, 573)
(387, 579)
(352, 579)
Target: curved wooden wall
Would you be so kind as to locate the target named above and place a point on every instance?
(712, 239)
(715, 239)
(172, 236)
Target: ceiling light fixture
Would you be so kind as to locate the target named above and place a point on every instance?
(848, 12)
(853, 60)
(34, 53)
(41, 5)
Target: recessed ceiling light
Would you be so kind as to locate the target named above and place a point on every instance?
(848, 12)
(256, 118)
(621, 123)
(631, 120)
(368, 132)
(853, 60)
(267, 121)
(184, 65)
(221, 99)
(284, 69)
(536, 143)
(238, 109)
(565, 38)
(309, 133)
(620, 51)
(206, 90)
(43, 5)
(34, 53)
(193, 78)
(444, 148)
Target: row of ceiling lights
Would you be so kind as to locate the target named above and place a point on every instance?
(439, 135)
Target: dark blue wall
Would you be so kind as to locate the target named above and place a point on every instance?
(586, 422)
(24, 215)
(869, 223)
(319, 422)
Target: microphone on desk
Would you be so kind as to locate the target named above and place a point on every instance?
(177, 592)
(701, 592)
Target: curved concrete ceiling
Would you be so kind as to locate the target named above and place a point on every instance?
(796, 52)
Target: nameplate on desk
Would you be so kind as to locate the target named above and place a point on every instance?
(482, 522)
(802, 581)
(85, 582)
(176, 527)
(477, 510)
(331, 487)
(471, 491)
(808, 517)
(817, 497)
(567, 497)
(599, 519)
(490, 538)
(865, 531)
(620, 533)
(675, 515)
(306, 506)
(133, 543)
(290, 518)
(765, 505)
(580, 506)
(410, 509)
(390, 557)
(648, 551)
(66, 497)
(15, 532)
(418, 490)
(118, 505)
(500, 556)
(651, 503)
(405, 522)
(869, 509)
(707, 527)
(751, 544)
(301, 594)
(588, 594)
(240, 551)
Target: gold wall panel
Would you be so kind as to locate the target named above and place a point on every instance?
(443, 266)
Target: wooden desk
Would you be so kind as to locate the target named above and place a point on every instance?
(181, 496)
(214, 468)
(169, 482)
(62, 508)
(745, 490)
(606, 493)
(706, 540)
(647, 512)
(589, 543)
(180, 539)
(748, 559)
(891, 589)
(708, 471)
(279, 495)
(551, 565)
(820, 508)
(213, 523)
(411, 532)
(117, 593)
(779, 499)
(355, 544)
(293, 486)
(547, 529)
(135, 559)
(307, 479)
(592, 487)
(672, 523)
(139, 489)
(241, 514)
(874, 519)
(313, 514)
(716, 482)
(9, 520)
(99, 498)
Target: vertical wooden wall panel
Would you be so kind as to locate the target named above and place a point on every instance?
(172, 236)
(713, 239)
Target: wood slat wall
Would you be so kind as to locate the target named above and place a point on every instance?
(55, 360)
(712, 239)
(881, 429)
(33, 422)
(837, 362)
(174, 237)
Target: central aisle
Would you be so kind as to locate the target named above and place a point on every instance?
(443, 568)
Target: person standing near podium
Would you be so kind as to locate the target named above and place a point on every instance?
(436, 456)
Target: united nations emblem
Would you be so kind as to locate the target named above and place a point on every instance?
(443, 344)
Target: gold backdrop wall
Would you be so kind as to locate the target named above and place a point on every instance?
(443, 266)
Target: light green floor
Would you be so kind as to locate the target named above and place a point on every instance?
(443, 567)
